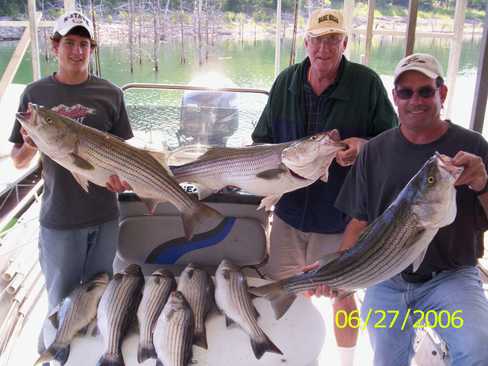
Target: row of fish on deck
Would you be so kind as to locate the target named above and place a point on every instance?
(396, 239)
(171, 316)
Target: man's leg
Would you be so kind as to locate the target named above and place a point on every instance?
(383, 310)
(101, 248)
(346, 337)
(286, 250)
(457, 299)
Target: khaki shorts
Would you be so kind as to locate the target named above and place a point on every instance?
(290, 249)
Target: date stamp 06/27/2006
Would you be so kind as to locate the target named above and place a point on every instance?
(384, 319)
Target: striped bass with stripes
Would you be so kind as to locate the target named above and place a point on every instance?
(157, 289)
(395, 240)
(233, 298)
(268, 170)
(93, 156)
(116, 311)
(198, 288)
(173, 335)
(72, 316)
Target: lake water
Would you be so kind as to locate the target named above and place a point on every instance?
(250, 64)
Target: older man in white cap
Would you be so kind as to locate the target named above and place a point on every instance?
(446, 290)
(78, 231)
(322, 93)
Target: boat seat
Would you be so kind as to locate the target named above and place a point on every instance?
(158, 240)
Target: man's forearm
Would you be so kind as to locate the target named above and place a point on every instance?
(22, 154)
(352, 233)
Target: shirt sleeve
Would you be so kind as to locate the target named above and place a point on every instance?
(15, 135)
(353, 197)
(121, 126)
(382, 113)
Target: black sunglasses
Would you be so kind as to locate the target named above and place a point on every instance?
(423, 92)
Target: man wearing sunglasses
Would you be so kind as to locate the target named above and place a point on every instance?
(322, 93)
(447, 279)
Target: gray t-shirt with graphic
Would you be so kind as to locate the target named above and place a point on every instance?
(96, 103)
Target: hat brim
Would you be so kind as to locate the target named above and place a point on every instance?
(64, 32)
(318, 33)
(428, 73)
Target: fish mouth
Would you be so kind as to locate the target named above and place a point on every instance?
(445, 162)
(297, 175)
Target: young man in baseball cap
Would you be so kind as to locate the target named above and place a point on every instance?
(78, 230)
(446, 286)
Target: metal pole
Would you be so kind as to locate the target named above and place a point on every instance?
(413, 6)
(33, 18)
(347, 12)
(277, 39)
(369, 31)
(69, 5)
(455, 53)
(481, 90)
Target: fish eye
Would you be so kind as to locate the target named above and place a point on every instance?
(431, 179)
(49, 120)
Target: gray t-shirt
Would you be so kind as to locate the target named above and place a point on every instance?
(96, 103)
(385, 166)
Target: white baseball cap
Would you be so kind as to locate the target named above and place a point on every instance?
(325, 21)
(421, 62)
(71, 20)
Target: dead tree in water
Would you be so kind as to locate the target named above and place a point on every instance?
(131, 35)
(294, 35)
(139, 36)
(206, 30)
(182, 17)
(157, 40)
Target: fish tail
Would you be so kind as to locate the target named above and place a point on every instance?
(111, 359)
(56, 352)
(146, 352)
(264, 345)
(280, 299)
(200, 339)
(201, 214)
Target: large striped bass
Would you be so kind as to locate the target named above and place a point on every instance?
(198, 288)
(93, 156)
(233, 298)
(157, 289)
(173, 335)
(72, 316)
(395, 240)
(268, 170)
(116, 311)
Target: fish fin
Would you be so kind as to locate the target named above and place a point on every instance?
(272, 174)
(80, 162)
(268, 202)
(326, 259)
(161, 157)
(187, 154)
(53, 317)
(259, 348)
(203, 215)
(83, 331)
(146, 352)
(279, 298)
(151, 204)
(228, 322)
(203, 191)
(95, 331)
(200, 339)
(110, 359)
(82, 181)
(418, 261)
(54, 352)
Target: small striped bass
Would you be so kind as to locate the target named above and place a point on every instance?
(157, 289)
(268, 170)
(72, 316)
(116, 311)
(233, 298)
(396, 239)
(198, 288)
(93, 156)
(173, 335)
